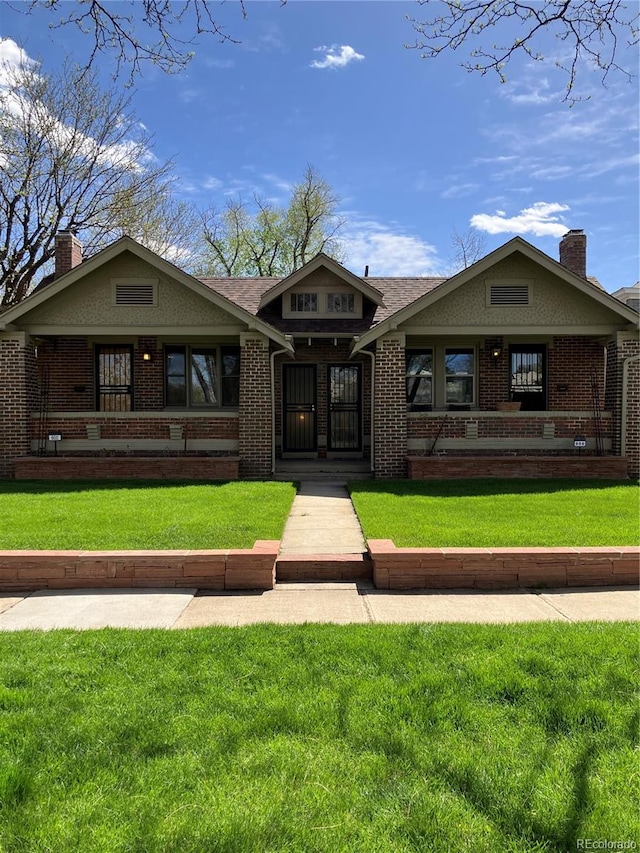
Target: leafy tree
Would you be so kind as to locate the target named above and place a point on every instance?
(265, 240)
(495, 31)
(74, 156)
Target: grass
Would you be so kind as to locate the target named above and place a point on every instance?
(104, 515)
(311, 738)
(496, 513)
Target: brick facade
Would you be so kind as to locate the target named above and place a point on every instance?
(623, 397)
(254, 426)
(18, 397)
(390, 426)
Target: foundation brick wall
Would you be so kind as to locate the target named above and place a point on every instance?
(18, 397)
(390, 428)
(127, 467)
(219, 569)
(501, 568)
(490, 465)
(132, 428)
(254, 425)
(446, 425)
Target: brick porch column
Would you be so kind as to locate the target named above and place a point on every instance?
(254, 422)
(18, 397)
(623, 397)
(390, 416)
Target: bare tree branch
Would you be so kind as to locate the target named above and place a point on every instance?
(133, 32)
(590, 30)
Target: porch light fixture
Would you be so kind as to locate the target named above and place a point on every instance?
(146, 356)
(496, 352)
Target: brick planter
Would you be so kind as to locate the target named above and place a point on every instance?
(251, 568)
(501, 568)
(127, 468)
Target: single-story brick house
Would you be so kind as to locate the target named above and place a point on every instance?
(125, 364)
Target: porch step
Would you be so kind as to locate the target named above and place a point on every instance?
(323, 469)
(324, 567)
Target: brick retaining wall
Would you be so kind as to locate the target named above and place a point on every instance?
(127, 467)
(251, 568)
(501, 568)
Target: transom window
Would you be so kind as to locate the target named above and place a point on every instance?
(305, 303)
(197, 376)
(419, 364)
(459, 375)
(340, 303)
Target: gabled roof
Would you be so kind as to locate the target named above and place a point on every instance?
(517, 244)
(127, 244)
(321, 260)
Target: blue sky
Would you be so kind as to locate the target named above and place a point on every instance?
(414, 148)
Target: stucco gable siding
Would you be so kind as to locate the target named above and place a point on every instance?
(89, 302)
(553, 302)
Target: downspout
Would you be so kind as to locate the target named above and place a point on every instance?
(272, 359)
(372, 355)
(623, 403)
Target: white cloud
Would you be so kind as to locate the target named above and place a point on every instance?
(386, 250)
(540, 219)
(459, 190)
(336, 56)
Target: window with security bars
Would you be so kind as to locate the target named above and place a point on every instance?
(114, 378)
(527, 376)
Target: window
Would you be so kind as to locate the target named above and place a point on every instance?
(527, 382)
(304, 302)
(459, 373)
(113, 367)
(202, 376)
(340, 303)
(419, 364)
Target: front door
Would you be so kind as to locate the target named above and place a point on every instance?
(345, 412)
(299, 408)
(528, 381)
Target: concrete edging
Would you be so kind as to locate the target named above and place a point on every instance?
(501, 568)
(249, 568)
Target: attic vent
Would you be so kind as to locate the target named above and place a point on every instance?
(509, 294)
(135, 294)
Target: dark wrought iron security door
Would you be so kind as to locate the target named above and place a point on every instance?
(114, 378)
(528, 384)
(299, 405)
(345, 410)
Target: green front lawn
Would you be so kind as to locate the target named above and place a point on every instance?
(369, 739)
(90, 515)
(498, 513)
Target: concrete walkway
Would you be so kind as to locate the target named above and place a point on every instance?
(322, 521)
(339, 603)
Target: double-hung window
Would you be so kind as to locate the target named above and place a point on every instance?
(419, 364)
(459, 366)
(201, 376)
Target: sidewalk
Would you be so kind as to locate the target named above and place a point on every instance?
(322, 521)
(339, 603)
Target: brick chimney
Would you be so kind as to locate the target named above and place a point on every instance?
(68, 252)
(573, 252)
